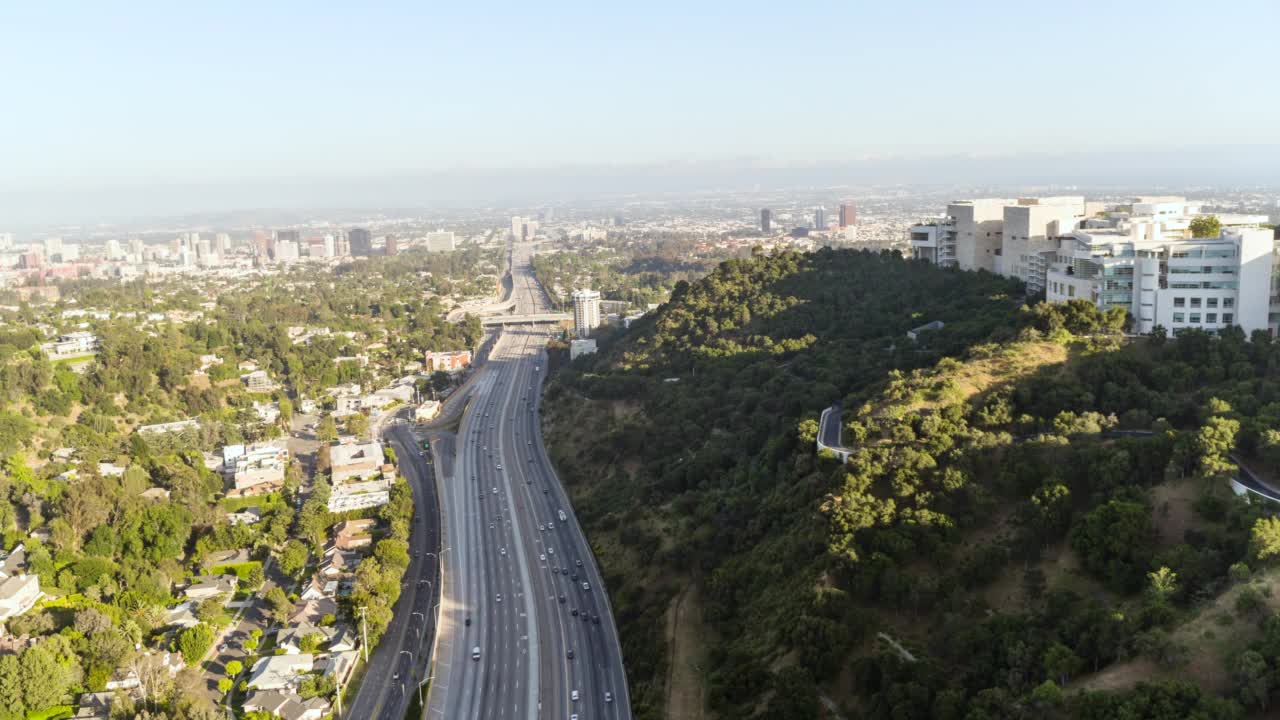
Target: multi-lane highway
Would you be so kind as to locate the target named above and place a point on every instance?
(526, 630)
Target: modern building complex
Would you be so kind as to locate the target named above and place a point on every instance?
(766, 220)
(586, 311)
(820, 218)
(1140, 255)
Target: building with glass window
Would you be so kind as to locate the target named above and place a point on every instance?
(1174, 282)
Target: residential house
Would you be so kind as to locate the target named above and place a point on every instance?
(356, 460)
(353, 534)
(94, 706)
(18, 594)
(182, 615)
(313, 611)
(286, 706)
(347, 405)
(211, 587)
(319, 587)
(255, 469)
(290, 640)
(71, 345)
(258, 381)
(155, 493)
(339, 664)
(277, 672)
(248, 516)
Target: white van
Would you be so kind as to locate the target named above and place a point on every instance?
(563, 517)
(475, 653)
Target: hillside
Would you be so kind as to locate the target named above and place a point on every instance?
(990, 518)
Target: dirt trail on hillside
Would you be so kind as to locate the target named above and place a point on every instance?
(685, 658)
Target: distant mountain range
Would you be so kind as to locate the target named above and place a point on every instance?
(23, 207)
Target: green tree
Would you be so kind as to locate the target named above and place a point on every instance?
(234, 667)
(1266, 537)
(1047, 694)
(12, 697)
(358, 425)
(194, 642)
(225, 685)
(278, 604)
(1252, 679)
(1206, 226)
(293, 558)
(46, 679)
(1061, 663)
(1115, 541)
(1164, 582)
(327, 430)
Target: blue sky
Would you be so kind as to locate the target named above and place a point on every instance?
(99, 93)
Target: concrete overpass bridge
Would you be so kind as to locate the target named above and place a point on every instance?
(528, 319)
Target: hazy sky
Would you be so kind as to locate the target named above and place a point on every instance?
(102, 92)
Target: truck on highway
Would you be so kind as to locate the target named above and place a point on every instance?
(475, 653)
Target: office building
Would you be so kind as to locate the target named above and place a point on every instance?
(586, 311)
(361, 242)
(6, 241)
(820, 218)
(517, 227)
(328, 246)
(848, 215)
(222, 244)
(392, 247)
(766, 220)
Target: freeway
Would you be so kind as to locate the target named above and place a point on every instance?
(521, 585)
(395, 668)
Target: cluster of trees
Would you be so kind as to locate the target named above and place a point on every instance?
(638, 270)
(378, 577)
(795, 552)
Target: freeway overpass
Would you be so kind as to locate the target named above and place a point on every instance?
(528, 319)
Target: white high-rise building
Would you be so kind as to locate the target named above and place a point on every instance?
(586, 311)
(330, 245)
(222, 244)
(113, 250)
(517, 227)
(6, 241)
(287, 251)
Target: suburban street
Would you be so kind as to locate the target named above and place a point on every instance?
(521, 585)
(397, 665)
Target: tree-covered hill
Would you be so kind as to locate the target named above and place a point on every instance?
(986, 458)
